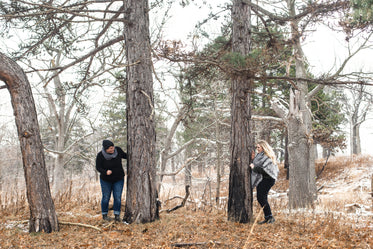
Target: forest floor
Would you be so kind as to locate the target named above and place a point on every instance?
(341, 218)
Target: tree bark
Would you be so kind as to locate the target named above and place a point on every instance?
(141, 203)
(240, 193)
(302, 183)
(42, 212)
(218, 158)
(355, 139)
(188, 169)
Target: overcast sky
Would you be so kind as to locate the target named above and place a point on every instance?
(323, 50)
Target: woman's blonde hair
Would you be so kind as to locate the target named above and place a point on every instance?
(268, 150)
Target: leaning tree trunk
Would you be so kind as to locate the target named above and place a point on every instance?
(42, 212)
(240, 193)
(141, 202)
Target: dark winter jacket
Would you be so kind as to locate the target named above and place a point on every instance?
(115, 165)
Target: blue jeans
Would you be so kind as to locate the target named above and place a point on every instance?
(111, 187)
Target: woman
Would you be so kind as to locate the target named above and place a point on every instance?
(109, 164)
(264, 175)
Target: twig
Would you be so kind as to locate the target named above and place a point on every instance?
(252, 229)
(110, 224)
(79, 224)
(195, 244)
(320, 188)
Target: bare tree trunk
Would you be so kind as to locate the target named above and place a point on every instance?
(240, 208)
(173, 169)
(286, 156)
(357, 110)
(352, 137)
(358, 141)
(324, 152)
(201, 165)
(218, 159)
(355, 139)
(188, 170)
(141, 203)
(58, 174)
(302, 183)
(42, 212)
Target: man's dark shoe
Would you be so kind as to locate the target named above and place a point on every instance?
(105, 217)
(117, 218)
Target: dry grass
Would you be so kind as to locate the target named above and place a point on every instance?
(201, 223)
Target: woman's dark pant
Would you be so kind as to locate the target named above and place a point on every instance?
(262, 191)
(111, 187)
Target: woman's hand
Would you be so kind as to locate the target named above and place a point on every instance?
(251, 165)
(108, 172)
(253, 155)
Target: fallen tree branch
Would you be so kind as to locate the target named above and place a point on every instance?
(79, 224)
(183, 202)
(174, 197)
(195, 244)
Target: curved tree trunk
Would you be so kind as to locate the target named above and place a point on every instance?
(240, 193)
(141, 202)
(42, 212)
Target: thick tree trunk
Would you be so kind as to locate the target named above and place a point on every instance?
(141, 202)
(59, 174)
(302, 186)
(240, 193)
(42, 212)
(302, 183)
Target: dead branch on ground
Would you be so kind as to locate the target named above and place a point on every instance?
(187, 192)
(79, 224)
(196, 244)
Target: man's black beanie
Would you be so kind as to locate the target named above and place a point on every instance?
(106, 144)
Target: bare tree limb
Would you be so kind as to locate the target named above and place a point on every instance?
(267, 118)
(79, 224)
(69, 147)
(189, 161)
(312, 8)
(92, 52)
